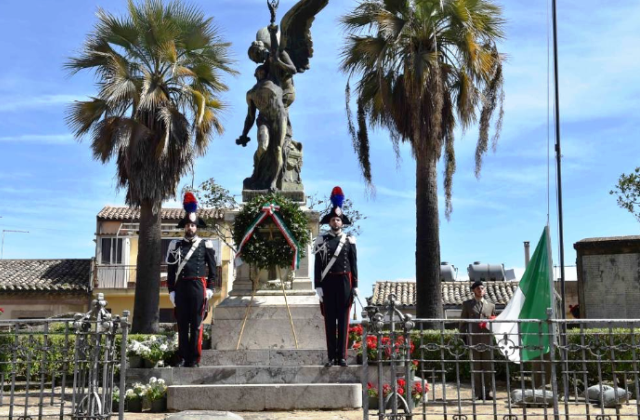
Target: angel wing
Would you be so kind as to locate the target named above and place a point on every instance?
(295, 31)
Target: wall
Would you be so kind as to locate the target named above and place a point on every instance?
(609, 277)
(42, 305)
(571, 295)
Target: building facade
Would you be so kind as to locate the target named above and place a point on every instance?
(37, 289)
(117, 250)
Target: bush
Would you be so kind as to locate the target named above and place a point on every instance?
(53, 355)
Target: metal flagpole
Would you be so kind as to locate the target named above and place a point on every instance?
(558, 153)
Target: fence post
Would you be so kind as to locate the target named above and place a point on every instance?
(124, 324)
(552, 357)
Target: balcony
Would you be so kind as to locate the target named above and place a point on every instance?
(119, 276)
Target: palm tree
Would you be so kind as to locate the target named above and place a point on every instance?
(159, 75)
(424, 66)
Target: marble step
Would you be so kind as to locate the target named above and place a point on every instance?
(232, 375)
(281, 397)
(268, 357)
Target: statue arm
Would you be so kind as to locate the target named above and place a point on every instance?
(248, 123)
(284, 62)
(251, 117)
(280, 58)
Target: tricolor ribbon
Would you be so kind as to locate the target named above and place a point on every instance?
(272, 210)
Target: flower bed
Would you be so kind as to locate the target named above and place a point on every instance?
(152, 350)
(418, 393)
(153, 395)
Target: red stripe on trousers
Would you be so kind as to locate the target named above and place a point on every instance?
(204, 303)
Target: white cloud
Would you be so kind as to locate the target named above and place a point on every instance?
(60, 139)
(16, 104)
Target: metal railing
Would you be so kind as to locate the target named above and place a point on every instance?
(117, 276)
(63, 368)
(462, 369)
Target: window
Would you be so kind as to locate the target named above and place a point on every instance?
(111, 250)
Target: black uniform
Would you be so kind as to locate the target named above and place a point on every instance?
(337, 288)
(190, 298)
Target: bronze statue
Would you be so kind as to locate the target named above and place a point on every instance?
(278, 158)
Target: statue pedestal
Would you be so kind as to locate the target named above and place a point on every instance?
(293, 192)
(268, 324)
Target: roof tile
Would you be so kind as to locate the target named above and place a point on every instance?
(133, 215)
(45, 275)
(453, 293)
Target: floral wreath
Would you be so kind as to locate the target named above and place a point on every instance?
(285, 244)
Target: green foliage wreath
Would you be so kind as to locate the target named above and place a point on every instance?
(261, 250)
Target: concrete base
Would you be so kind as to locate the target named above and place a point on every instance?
(274, 357)
(264, 397)
(237, 375)
(204, 415)
(268, 325)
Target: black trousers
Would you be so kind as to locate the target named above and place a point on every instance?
(190, 300)
(336, 306)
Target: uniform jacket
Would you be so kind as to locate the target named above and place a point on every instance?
(473, 309)
(347, 261)
(202, 258)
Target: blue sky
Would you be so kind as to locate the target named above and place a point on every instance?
(50, 186)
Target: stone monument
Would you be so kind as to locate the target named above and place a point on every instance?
(258, 361)
(280, 53)
(261, 320)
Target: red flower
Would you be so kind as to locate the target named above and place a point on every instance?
(386, 390)
(402, 383)
(356, 329)
(357, 345)
(372, 342)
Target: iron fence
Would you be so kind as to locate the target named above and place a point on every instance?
(63, 368)
(468, 369)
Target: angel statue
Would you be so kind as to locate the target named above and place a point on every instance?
(280, 54)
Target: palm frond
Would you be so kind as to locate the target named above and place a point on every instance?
(421, 67)
(83, 115)
(159, 68)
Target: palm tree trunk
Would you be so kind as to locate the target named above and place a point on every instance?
(428, 292)
(145, 311)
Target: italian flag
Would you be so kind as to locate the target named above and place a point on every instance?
(535, 294)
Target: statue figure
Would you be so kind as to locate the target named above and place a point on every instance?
(280, 55)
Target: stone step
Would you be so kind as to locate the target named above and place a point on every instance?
(268, 357)
(303, 396)
(239, 375)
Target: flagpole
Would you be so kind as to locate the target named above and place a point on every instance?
(558, 154)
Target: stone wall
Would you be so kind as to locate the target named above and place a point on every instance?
(609, 277)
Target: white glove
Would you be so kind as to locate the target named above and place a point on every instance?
(209, 293)
(355, 291)
(320, 293)
(172, 298)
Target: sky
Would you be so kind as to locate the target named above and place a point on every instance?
(51, 187)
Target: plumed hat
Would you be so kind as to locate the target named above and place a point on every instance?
(337, 198)
(190, 205)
